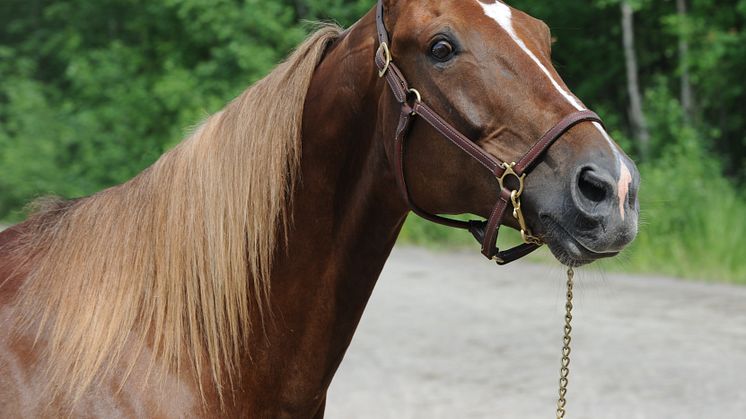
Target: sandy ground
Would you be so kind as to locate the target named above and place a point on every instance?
(453, 336)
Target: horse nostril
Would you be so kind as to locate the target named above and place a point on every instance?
(592, 187)
(632, 198)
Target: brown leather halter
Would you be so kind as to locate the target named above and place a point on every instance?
(412, 105)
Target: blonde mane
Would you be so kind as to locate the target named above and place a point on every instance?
(177, 259)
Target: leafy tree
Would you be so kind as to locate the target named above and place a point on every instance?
(589, 55)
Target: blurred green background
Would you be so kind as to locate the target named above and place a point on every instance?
(92, 92)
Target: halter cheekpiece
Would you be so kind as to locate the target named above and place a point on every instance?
(413, 105)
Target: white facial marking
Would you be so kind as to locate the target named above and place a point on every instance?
(625, 178)
(502, 14)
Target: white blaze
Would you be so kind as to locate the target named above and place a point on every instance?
(625, 178)
(502, 14)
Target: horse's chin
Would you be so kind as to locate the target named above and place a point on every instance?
(567, 248)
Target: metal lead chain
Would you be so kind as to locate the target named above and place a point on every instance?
(565, 368)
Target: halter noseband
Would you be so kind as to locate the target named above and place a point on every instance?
(412, 105)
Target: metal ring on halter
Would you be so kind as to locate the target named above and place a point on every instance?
(386, 56)
(508, 172)
(417, 95)
(417, 98)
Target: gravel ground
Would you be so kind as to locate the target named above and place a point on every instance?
(453, 336)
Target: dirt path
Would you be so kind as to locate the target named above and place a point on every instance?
(453, 336)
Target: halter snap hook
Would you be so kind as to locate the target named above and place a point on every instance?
(515, 198)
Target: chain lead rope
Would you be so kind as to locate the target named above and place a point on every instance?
(565, 366)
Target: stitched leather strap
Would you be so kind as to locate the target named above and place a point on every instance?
(526, 162)
(405, 121)
(485, 232)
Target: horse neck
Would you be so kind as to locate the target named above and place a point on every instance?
(346, 215)
(347, 205)
(347, 210)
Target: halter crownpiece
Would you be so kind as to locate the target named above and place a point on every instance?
(412, 105)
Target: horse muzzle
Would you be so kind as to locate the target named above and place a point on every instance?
(599, 215)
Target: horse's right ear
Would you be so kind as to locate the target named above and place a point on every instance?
(390, 10)
(391, 6)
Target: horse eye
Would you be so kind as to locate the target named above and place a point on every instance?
(442, 50)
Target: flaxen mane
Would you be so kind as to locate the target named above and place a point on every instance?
(178, 257)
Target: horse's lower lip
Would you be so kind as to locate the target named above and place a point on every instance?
(568, 249)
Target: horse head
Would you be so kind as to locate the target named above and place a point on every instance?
(486, 69)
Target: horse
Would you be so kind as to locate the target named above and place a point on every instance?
(227, 279)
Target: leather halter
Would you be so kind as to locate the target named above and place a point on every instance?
(412, 105)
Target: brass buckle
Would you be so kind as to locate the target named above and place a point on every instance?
(515, 198)
(387, 56)
(510, 172)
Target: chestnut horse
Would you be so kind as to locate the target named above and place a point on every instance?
(228, 278)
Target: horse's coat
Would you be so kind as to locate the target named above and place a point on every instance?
(228, 278)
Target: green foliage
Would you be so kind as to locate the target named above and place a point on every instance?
(693, 219)
(93, 92)
(588, 53)
(421, 232)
